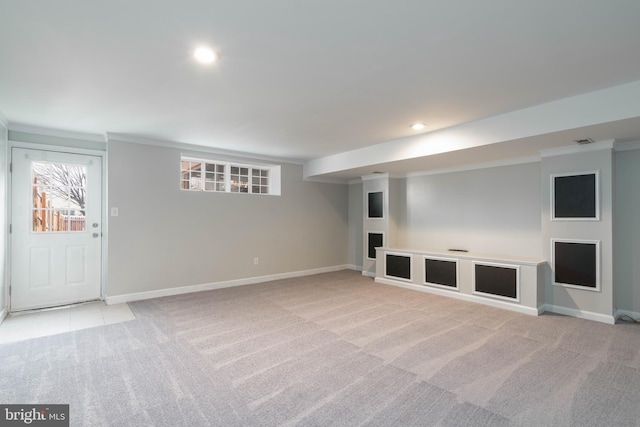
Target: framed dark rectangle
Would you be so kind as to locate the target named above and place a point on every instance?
(398, 266)
(575, 196)
(441, 272)
(375, 204)
(497, 280)
(575, 263)
(374, 240)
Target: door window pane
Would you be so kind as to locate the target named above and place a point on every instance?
(59, 194)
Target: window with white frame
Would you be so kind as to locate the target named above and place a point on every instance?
(230, 177)
(260, 181)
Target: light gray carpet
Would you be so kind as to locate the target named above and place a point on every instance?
(331, 349)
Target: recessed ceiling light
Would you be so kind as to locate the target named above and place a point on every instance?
(205, 55)
(417, 126)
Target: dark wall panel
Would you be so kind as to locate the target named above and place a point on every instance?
(441, 272)
(375, 240)
(501, 281)
(575, 263)
(398, 266)
(575, 196)
(375, 205)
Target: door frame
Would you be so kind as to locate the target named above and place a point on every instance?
(9, 206)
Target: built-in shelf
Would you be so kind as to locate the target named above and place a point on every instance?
(515, 283)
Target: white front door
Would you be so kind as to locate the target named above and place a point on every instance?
(56, 228)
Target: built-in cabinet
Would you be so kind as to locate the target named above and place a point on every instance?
(574, 275)
(513, 283)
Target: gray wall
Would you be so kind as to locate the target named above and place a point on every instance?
(165, 237)
(493, 210)
(3, 217)
(355, 225)
(627, 230)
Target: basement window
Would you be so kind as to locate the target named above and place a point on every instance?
(228, 177)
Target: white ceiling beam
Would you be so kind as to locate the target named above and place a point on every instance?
(594, 108)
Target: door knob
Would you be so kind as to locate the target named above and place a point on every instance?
(95, 235)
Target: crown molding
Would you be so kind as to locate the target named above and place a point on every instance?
(58, 133)
(608, 144)
(193, 148)
(381, 175)
(628, 146)
(327, 180)
(373, 176)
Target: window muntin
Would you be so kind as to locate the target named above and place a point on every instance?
(191, 175)
(214, 179)
(260, 181)
(216, 176)
(239, 179)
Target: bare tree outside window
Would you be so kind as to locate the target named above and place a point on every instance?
(59, 196)
(66, 182)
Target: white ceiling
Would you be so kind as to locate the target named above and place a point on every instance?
(301, 79)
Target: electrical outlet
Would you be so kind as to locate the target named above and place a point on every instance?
(256, 261)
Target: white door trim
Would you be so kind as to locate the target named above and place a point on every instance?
(9, 207)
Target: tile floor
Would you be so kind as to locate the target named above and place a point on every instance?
(22, 326)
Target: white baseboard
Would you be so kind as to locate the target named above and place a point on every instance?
(118, 299)
(589, 315)
(465, 297)
(354, 267)
(633, 314)
(368, 273)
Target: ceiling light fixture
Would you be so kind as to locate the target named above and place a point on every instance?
(417, 126)
(204, 55)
